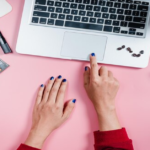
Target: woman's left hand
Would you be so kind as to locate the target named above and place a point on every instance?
(49, 111)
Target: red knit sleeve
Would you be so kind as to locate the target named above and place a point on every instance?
(112, 140)
(26, 147)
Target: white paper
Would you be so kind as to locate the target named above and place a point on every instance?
(5, 8)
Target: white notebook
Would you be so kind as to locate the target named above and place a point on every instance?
(5, 8)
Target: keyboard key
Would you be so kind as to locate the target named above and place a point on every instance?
(133, 7)
(40, 8)
(145, 3)
(132, 32)
(58, 4)
(50, 3)
(139, 33)
(97, 14)
(142, 8)
(121, 0)
(90, 14)
(108, 28)
(117, 5)
(92, 20)
(120, 17)
(59, 23)
(74, 12)
(143, 14)
(70, 0)
(89, 7)
(123, 24)
(136, 25)
(41, 2)
(128, 18)
(51, 9)
(83, 25)
(66, 5)
(78, 1)
(58, 10)
(102, 3)
(81, 6)
(116, 23)
(139, 19)
(86, 1)
(69, 17)
(125, 6)
(66, 11)
(104, 9)
(50, 22)
(108, 22)
(94, 2)
(41, 14)
(113, 16)
(63, 0)
(137, 2)
(77, 18)
(96, 8)
(43, 20)
(53, 15)
(120, 11)
(74, 6)
(112, 10)
(109, 4)
(129, 1)
(135, 13)
(127, 12)
(116, 30)
(35, 20)
(100, 21)
(105, 15)
(124, 32)
(82, 13)
(61, 16)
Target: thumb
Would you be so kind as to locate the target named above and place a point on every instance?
(69, 108)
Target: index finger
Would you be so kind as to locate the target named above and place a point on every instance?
(94, 66)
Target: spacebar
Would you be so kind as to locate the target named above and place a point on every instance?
(83, 25)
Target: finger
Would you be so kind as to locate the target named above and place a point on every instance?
(110, 74)
(61, 93)
(54, 90)
(103, 71)
(94, 66)
(40, 95)
(86, 76)
(68, 109)
(47, 90)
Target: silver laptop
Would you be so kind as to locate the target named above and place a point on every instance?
(117, 31)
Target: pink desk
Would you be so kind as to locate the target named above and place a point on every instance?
(19, 83)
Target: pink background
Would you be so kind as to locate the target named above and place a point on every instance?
(19, 84)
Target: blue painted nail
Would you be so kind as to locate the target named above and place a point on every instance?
(74, 100)
(59, 77)
(42, 85)
(86, 68)
(93, 54)
(52, 78)
(64, 80)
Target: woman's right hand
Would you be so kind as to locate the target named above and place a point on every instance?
(102, 88)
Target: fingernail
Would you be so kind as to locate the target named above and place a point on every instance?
(42, 85)
(64, 80)
(93, 54)
(74, 100)
(59, 77)
(52, 78)
(86, 68)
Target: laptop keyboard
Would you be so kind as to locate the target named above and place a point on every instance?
(119, 17)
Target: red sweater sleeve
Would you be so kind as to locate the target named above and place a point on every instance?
(25, 147)
(112, 140)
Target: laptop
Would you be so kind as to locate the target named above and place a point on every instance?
(117, 31)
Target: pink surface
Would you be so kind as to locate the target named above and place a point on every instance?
(18, 87)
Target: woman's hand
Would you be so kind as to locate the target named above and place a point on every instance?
(102, 88)
(49, 111)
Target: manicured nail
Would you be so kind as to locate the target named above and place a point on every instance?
(64, 80)
(74, 100)
(86, 68)
(59, 77)
(52, 78)
(93, 54)
(42, 85)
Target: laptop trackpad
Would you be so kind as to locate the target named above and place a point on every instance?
(79, 45)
